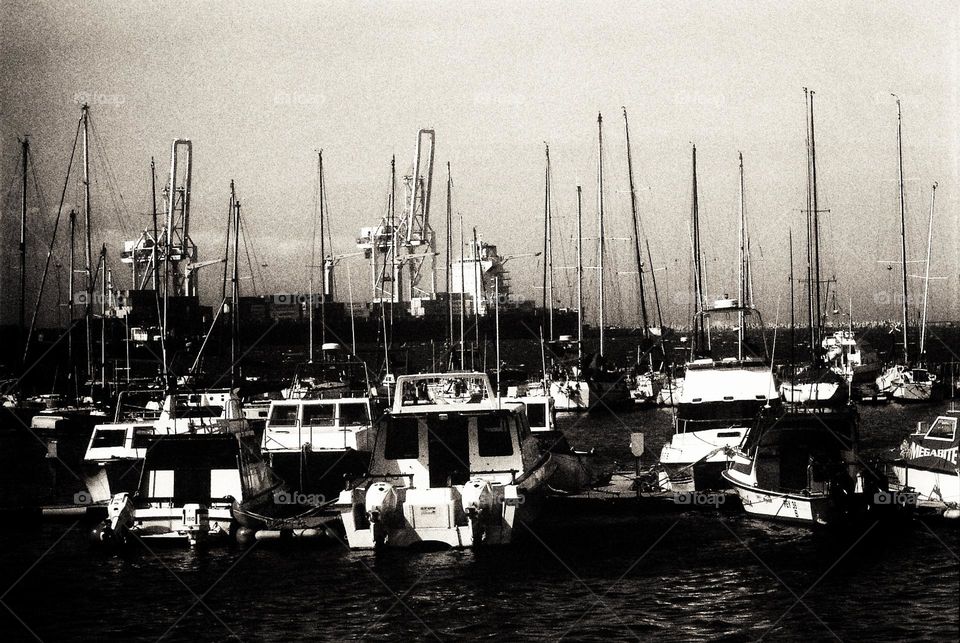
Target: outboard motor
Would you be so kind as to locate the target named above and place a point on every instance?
(196, 522)
(380, 501)
(478, 498)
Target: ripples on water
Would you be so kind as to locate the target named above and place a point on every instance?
(597, 576)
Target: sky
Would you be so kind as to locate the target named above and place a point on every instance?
(260, 87)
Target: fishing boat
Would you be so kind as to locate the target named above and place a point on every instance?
(724, 388)
(799, 461)
(850, 358)
(114, 456)
(800, 464)
(315, 444)
(186, 492)
(458, 474)
(907, 381)
(927, 465)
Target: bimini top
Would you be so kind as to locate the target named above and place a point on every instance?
(427, 392)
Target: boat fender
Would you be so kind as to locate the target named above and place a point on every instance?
(952, 513)
(246, 536)
(380, 501)
(478, 498)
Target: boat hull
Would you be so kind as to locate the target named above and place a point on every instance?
(933, 488)
(810, 510)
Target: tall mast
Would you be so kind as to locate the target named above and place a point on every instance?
(636, 230)
(235, 287)
(741, 277)
(548, 247)
(793, 338)
(23, 235)
(579, 276)
(815, 215)
(697, 267)
(156, 233)
(811, 307)
(926, 276)
(903, 231)
(103, 316)
(600, 221)
(323, 258)
(73, 230)
(88, 249)
(463, 300)
(477, 289)
(449, 227)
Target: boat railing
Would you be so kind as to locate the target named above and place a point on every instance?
(310, 430)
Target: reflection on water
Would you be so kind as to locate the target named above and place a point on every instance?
(597, 576)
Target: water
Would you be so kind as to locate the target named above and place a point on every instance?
(604, 575)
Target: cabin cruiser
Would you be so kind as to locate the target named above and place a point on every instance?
(801, 464)
(114, 455)
(312, 444)
(816, 385)
(336, 374)
(456, 473)
(718, 403)
(907, 384)
(188, 488)
(927, 465)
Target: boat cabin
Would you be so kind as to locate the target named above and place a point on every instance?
(324, 424)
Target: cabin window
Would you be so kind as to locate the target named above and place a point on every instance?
(403, 439)
(493, 436)
(353, 415)
(536, 414)
(106, 438)
(921, 375)
(318, 415)
(943, 428)
(142, 436)
(285, 415)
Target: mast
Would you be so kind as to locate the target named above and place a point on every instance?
(579, 276)
(600, 221)
(23, 235)
(741, 285)
(449, 228)
(103, 315)
(548, 247)
(636, 231)
(73, 230)
(793, 337)
(88, 248)
(156, 233)
(235, 283)
(903, 231)
(478, 288)
(926, 276)
(697, 267)
(815, 216)
(323, 259)
(463, 300)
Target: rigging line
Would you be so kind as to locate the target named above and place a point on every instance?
(53, 238)
(113, 186)
(246, 248)
(314, 217)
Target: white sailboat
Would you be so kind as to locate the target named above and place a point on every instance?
(908, 382)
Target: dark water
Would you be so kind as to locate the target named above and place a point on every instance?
(600, 574)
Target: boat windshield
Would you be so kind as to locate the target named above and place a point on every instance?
(943, 428)
(107, 438)
(354, 414)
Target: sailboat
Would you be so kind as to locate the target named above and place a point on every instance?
(799, 461)
(608, 387)
(723, 391)
(907, 382)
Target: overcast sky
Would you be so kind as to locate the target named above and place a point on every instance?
(259, 87)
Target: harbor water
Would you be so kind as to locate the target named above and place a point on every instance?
(603, 572)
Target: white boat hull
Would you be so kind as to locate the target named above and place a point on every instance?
(694, 459)
(813, 509)
(933, 488)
